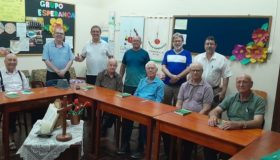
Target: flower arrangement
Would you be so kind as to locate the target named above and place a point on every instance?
(255, 51)
(78, 108)
(55, 23)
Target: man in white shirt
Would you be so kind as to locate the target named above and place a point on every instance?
(12, 79)
(215, 68)
(96, 53)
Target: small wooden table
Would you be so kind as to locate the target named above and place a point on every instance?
(132, 108)
(194, 128)
(266, 144)
(25, 102)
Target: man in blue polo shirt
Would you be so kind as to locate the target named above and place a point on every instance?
(150, 88)
(58, 57)
(175, 67)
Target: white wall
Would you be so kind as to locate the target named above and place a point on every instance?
(90, 12)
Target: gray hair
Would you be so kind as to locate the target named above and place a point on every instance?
(151, 63)
(179, 35)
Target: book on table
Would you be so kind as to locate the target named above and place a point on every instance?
(182, 112)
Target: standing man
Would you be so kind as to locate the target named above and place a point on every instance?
(96, 53)
(58, 57)
(133, 64)
(195, 95)
(244, 110)
(109, 78)
(216, 67)
(175, 67)
(14, 80)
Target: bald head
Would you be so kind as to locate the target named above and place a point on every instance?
(112, 65)
(244, 83)
(196, 66)
(10, 62)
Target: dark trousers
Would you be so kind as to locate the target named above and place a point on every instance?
(127, 125)
(187, 148)
(53, 75)
(108, 120)
(12, 123)
(91, 79)
(211, 154)
(142, 138)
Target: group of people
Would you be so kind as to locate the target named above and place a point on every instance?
(198, 84)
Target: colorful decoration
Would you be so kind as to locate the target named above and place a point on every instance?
(55, 23)
(255, 51)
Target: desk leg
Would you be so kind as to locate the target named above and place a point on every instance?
(5, 130)
(156, 142)
(93, 126)
(149, 140)
(97, 131)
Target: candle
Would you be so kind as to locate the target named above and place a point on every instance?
(45, 127)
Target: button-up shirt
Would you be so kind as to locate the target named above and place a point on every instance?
(151, 90)
(104, 80)
(13, 82)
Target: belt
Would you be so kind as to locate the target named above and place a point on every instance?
(215, 87)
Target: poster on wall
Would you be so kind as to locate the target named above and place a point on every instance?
(129, 27)
(12, 10)
(157, 36)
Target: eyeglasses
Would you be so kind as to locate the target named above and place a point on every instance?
(196, 70)
(59, 33)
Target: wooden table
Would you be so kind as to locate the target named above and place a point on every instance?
(194, 128)
(266, 144)
(132, 108)
(25, 102)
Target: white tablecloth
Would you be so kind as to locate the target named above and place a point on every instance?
(36, 148)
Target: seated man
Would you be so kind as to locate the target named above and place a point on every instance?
(150, 88)
(12, 79)
(195, 95)
(244, 110)
(109, 78)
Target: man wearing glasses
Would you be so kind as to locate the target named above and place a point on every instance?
(195, 95)
(58, 57)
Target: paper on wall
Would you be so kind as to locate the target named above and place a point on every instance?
(181, 24)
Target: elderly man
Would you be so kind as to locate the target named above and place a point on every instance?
(133, 64)
(216, 67)
(149, 88)
(12, 79)
(244, 110)
(195, 95)
(58, 57)
(109, 78)
(175, 67)
(96, 52)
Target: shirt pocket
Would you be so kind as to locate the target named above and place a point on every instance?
(198, 96)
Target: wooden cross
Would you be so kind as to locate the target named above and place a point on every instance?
(62, 112)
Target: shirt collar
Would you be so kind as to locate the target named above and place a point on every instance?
(107, 74)
(54, 44)
(91, 41)
(201, 83)
(249, 99)
(154, 80)
(7, 72)
(213, 56)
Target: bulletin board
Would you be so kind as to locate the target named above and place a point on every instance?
(30, 33)
(228, 30)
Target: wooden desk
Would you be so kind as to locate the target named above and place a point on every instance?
(24, 102)
(262, 146)
(133, 108)
(194, 128)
